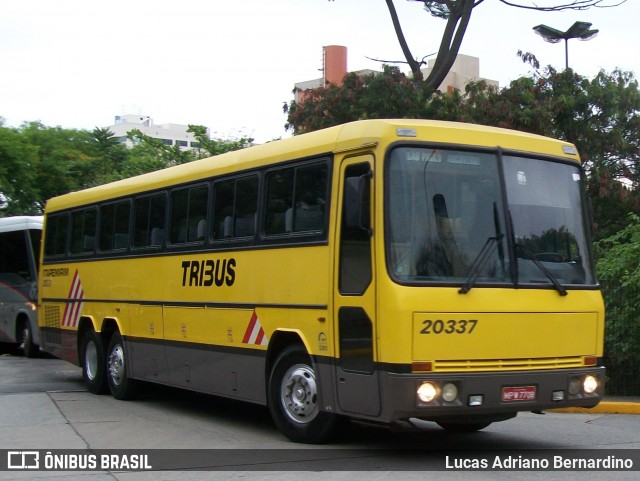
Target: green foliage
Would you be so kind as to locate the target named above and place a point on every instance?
(389, 94)
(600, 115)
(39, 162)
(18, 189)
(211, 147)
(618, 269)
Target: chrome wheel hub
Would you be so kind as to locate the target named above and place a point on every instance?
(299, 394)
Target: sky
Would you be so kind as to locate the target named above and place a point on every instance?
(231, 65)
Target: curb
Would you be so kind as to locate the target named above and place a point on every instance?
(605, 407)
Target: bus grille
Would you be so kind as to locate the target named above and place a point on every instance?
(508, 364)
(52, 324)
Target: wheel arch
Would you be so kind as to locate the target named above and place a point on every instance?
(109, 326)
(85, 324)
(280, 340)
(21, 318)
(105, 330)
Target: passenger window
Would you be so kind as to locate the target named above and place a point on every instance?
(235, 207)
(296, 199)
(83, 231)
(149, 221)
(57, 226)
(114, 226)
(189, 215)
(279, 200)
(14, 258)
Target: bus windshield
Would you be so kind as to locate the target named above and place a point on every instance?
(447, 222)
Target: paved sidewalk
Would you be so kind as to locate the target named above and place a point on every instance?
(610, 405)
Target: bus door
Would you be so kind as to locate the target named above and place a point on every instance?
(354, 304)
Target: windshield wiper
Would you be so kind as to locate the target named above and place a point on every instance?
(484, 254)
(479, 262)
(554, 280)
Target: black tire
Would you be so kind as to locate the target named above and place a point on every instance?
(93, 362)
(29, 348)
(463, 427)
(293, 399)
(120, 384)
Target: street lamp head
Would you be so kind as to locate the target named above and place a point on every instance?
(549, 34)
(579, 30)
(588, 35)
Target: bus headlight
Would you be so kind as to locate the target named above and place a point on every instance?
(590, 384)
(427, 392)
(574, 386)
(449, 392)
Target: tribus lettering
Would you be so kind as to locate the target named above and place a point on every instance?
(208, 272)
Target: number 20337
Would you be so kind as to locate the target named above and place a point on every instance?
(451, 326)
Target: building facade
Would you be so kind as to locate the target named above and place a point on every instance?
(169, 134)
(334, 67)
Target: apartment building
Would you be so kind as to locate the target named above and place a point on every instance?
(334, 67)
(170, 134)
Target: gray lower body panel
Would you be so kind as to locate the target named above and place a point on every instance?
(236, 374)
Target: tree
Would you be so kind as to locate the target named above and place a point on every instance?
(39, 162)
(457, 14)
(619, 273)
(601, 116)
(18, 186)
(169, 154)
(173, 154)
(212, 147)
(389, 94)
(111, 154)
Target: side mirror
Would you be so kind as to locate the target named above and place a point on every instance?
(357, 201)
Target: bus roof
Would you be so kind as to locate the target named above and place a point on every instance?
(21, 222)
(350, 136)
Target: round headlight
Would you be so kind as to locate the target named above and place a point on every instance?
(449, 392)
(427, 392)
(574, 386)
(590, 384)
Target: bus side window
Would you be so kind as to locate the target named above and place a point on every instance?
(83, 231)
(235, 207)
(14, 260)
(279, 198)
(296, 199)
(56, 235)
(149, 221)
(310, 198)
(114, 226)
(189, 214)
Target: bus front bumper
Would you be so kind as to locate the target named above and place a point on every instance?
(498, 395)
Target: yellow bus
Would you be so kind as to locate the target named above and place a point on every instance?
(381, 270)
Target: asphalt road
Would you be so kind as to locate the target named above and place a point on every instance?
(44, 406)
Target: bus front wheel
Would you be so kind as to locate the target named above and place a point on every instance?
(293, 399)
(120, 384)
(93, 362)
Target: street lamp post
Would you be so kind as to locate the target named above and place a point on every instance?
(579, 30)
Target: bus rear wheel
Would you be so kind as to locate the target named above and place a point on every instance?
(29, 348)
(293, 399)
(93, 362)
(120, 384)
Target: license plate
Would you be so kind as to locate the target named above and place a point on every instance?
(519, 393)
